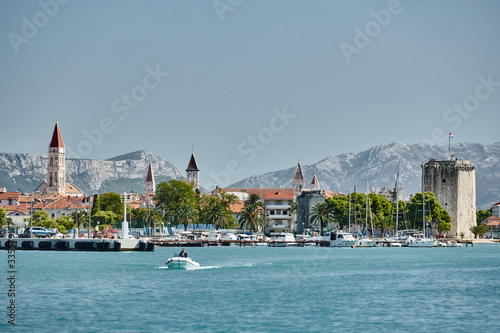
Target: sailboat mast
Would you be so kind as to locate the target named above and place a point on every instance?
(349, 211)
(355, 209)
(397, 200)
(423, 201)
(366, 220)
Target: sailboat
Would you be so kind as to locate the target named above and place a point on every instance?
(366, 241)
(422, 241)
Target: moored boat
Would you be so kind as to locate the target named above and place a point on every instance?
(365, 242)
(340, 239)
(452, 243)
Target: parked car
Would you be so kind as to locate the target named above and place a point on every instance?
(35, 232)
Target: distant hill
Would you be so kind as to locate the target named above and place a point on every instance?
(380, 164)
(118, 174)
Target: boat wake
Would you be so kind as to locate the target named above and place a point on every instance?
(187, 269)
(206, 267)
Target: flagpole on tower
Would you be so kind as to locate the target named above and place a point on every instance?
(450, 136)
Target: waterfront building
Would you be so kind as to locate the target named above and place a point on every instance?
(454, 184)
(276, 204)
(495, 209)
(192, 172)
(277, 212)
(58, 207)
(150, 182)
(9, 198)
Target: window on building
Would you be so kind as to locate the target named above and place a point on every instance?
(444, 180)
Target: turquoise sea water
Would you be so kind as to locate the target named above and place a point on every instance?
(258, 289)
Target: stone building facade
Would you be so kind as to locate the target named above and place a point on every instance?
(305, 203)
(454, 184)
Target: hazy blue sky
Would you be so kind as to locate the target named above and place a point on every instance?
(255, 85)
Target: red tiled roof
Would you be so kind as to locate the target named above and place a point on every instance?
(9, 195)
(237, 207)
(57, 141)
(279, 195)
(61, 203)
(12, 208)
(330, 194)
(492, 224)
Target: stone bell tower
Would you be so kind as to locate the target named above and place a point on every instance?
(150, 181)
(56, 170)
(192, 172)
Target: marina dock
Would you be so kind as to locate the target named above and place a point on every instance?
(78, 244)
(238, 243)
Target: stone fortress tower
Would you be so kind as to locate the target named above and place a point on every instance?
(56, 170)
(454, 184)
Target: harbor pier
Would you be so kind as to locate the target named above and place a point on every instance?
(76, 244)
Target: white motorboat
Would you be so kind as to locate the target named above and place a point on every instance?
(181, 263)
(452, 243)
(422, 242)
(365, 242)
(340, 239)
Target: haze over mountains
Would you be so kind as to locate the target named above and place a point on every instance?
(378, 164)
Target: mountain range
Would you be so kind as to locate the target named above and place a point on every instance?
(119, 174)
(380, 165)
(336, 173)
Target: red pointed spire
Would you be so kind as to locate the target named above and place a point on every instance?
(149, 177)
(57, 141)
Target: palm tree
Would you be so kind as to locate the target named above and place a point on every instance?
(322, 214)
(78, 216)
(219, 216)
(187, 214)
(293, 206)
(383, 223)
(251, 216)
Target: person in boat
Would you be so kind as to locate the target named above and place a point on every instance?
(183, 254)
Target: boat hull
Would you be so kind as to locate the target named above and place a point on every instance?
(365, 243)
(422, 243)
(181, 263)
